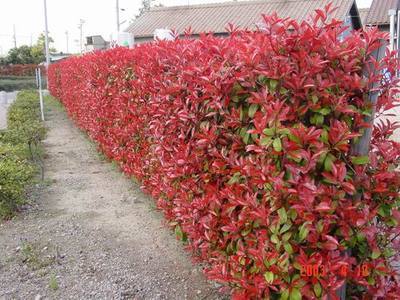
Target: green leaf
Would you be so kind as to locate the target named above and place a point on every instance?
(286, 236)
(285, 295)
(375, 254)
(314, 99)
(288, 248)
(246, 231)
(388, 252)
(274, 239)
(235, 99)
(269, 277)
(252, 110)
(317, 289)
(266, 141)
(285, 228)
(283, 91)
(294, 138)
(292, 214)
(234, 179)
(283, 131)
(179, 233)
(237, 87)
(277, 144)
(273, 83)
(263, 80)
(384, 210)
(269, 131)
(246, 138)
(317, 119)
(329, 159)
(303, 232)
(254, 269)
(282, 215)
(241, 113)
(367, 112)
(295, 294)
(325, 136)
(324, 111)
(360, 160)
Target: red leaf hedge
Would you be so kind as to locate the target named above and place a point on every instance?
(245, 143)
(19, 70)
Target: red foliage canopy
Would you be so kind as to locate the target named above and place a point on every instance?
(245, 143)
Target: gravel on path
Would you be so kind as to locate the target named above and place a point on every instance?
(90, 233)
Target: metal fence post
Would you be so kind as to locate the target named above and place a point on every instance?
(40, 93)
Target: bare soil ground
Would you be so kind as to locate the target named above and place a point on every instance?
(90, 233)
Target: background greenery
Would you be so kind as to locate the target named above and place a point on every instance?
(25, 54)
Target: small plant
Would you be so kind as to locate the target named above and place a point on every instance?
(30, 255)
(53, 283)
(19, 149)
(34, 257)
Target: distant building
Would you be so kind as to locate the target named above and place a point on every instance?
(378, 13)
(244, 14)
(55, 57)
(96, 42)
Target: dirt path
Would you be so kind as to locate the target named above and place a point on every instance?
(92, 234)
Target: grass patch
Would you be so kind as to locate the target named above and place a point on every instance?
(13, 83)
(53, 284)
(34, 256)
(12, 77)
(20, 151)
(52, 103)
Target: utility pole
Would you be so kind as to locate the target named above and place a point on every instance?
(14, 37)
(80, 26)
(66, 35)
(46, 35)
(392, 17)
(117, 7)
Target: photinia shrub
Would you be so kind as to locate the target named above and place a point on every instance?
(247, 144)
(20, 70)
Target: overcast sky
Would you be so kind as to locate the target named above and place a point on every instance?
(64, 15)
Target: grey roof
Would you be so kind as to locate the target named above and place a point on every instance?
(378, 12)
(363, 14)
(215, 17)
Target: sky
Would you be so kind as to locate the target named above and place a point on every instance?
(64, 16)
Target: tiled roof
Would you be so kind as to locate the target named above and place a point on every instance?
(215, 17)
(363, 14)
(378, 12)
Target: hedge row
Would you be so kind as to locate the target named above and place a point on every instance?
(18, 148)
(245, 143)
(19, 70)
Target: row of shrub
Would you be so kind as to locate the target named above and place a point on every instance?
(19, 70)
(19, 149)
(246, 144)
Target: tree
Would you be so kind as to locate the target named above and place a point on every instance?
(146, 5)
(20, 55)
(29, 54)
(38, 50)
